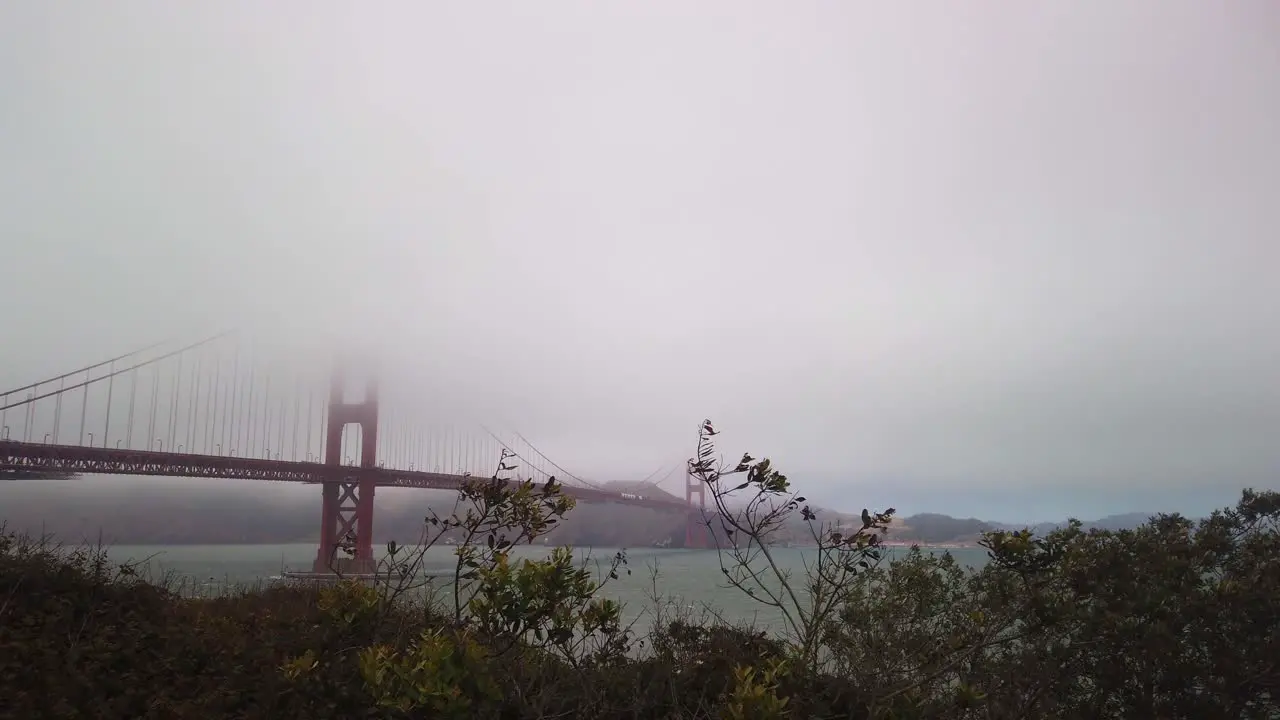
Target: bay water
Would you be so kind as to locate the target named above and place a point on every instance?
(688, 582)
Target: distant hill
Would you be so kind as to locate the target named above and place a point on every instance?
(1123, 521)
(938, 528)
(923, 528)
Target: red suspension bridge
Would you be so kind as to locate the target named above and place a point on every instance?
(218, 409)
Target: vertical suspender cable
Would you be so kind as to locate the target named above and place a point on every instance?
(133, 397)
(211, 423)
(193, 407)
(30, 418)
(248, 425)
(386, 441)
(324, 431)
(111, 387)
(228, 420)
(297, 399)
(173, 406)
(283, 418)
(155, 396)
(84, 406)
(311, 398)
(57, 410)
(266, 415)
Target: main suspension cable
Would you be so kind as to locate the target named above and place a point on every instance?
(77, 386)
(85, 369)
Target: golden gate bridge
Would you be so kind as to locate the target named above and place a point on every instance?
(215, 408)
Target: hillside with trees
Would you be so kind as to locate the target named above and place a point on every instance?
(929, 528)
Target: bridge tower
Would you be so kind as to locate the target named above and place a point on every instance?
(696, 533)
(346, 519)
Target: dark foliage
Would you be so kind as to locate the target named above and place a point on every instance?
(78, 639)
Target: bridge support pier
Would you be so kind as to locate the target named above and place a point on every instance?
(346, 515)
(696, 534)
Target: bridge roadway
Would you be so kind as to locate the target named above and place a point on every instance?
(16, 456)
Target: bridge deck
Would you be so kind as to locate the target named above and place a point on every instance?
(17, 457)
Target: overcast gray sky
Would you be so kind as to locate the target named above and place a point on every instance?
(1015, 260)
